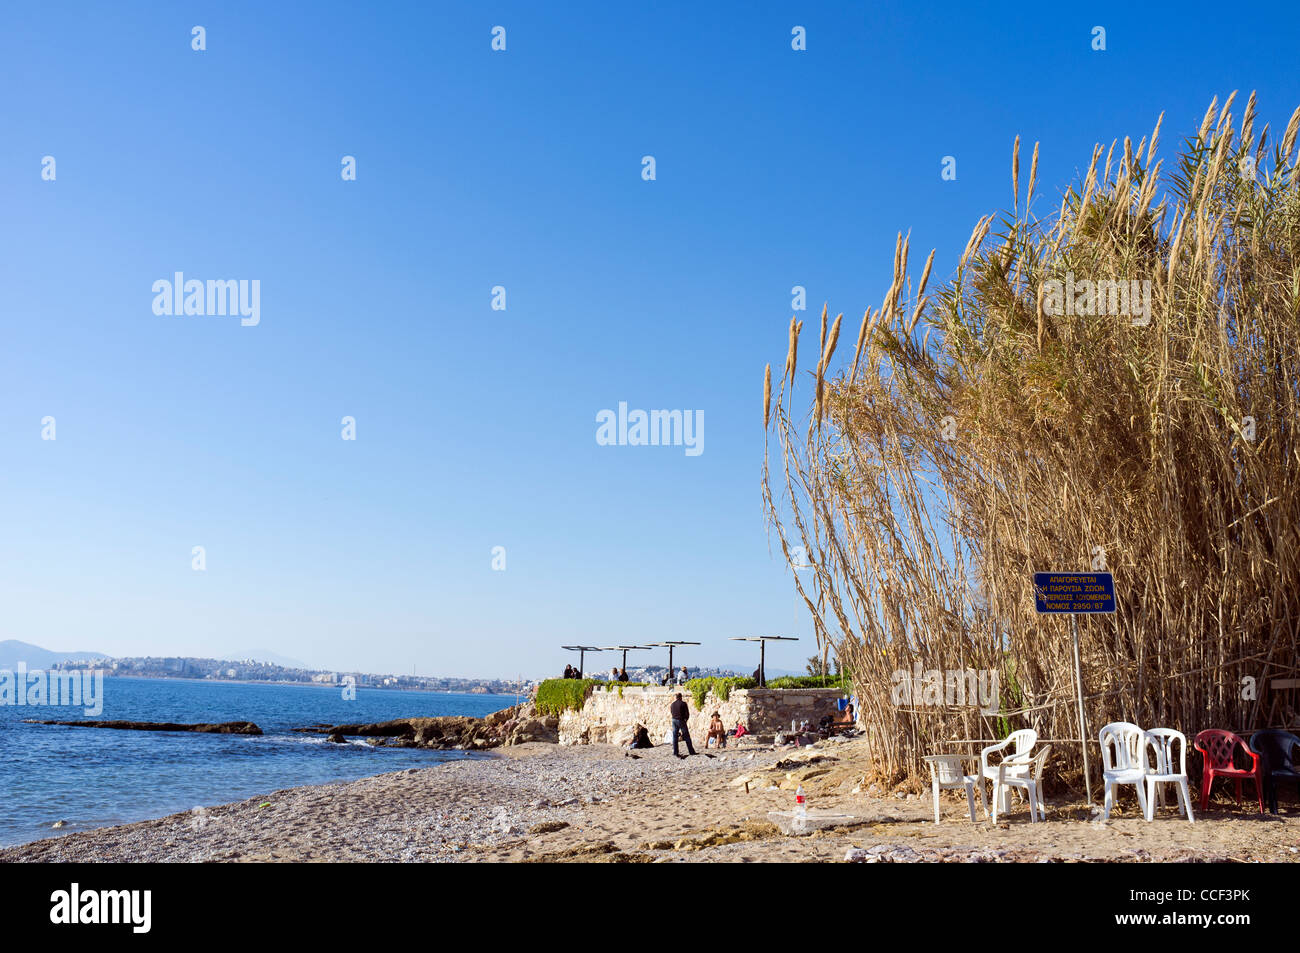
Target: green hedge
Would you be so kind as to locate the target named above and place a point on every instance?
(721, 688)
(622, 685)
(812, 681)
(558, 695)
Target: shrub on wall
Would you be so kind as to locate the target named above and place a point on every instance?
(558, 695)
(622, 685)
(811, 681)
(721, 688)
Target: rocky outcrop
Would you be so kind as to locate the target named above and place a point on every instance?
(510, 726)
(521, 724)
(220, 728)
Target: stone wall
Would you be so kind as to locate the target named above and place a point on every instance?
(608, 714)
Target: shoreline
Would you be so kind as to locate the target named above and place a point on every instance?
(74, 824)
(430, 741)
(543, 802)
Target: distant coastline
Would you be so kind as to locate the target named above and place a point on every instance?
(255, 671)
(299, 684)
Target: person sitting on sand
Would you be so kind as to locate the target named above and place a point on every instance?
(740, 731)
(716, 730)
(832, 725)
(640, 737)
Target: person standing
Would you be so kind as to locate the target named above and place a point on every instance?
(681, 714)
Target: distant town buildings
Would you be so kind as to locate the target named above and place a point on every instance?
(252, 670)
(655, 673)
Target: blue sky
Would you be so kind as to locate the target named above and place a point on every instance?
(476, 428)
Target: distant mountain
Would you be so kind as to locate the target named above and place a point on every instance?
(12, 652)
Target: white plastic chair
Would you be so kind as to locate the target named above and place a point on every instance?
(1011, 776)
(1123, 761)
(946, 773)
(1021, 743)
(1162, 740)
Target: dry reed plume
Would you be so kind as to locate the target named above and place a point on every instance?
(1070, 435)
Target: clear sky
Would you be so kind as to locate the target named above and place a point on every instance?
(475, 427)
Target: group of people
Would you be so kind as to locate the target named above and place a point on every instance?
(620, 675)
(681, 715)
(679, 679)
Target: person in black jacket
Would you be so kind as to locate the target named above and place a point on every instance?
(681, 714)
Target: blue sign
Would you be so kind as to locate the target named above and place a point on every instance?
(1070, 592)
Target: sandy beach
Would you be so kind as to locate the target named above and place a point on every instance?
(543, 802)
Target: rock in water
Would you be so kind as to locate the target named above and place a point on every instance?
(220, 728)
(510, 726)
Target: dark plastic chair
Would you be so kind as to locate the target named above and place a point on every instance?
(1275, 749)
(1217, 748)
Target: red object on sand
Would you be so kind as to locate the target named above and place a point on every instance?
(1217, 747)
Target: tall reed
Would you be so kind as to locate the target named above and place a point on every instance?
(985, 432)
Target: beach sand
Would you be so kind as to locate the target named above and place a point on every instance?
(543, 802)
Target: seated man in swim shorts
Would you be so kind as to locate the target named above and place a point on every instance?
(716, 730)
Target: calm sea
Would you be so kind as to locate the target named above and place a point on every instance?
(94, 777)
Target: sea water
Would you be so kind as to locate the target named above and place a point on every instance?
(95, 777)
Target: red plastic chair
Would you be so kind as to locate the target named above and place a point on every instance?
(1217, 748)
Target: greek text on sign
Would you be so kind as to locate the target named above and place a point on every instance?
(1074, 592)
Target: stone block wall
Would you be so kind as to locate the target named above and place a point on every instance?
(608, 715)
